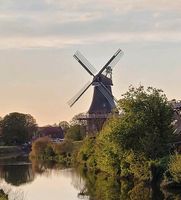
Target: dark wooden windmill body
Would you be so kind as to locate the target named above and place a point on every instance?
(103, 101)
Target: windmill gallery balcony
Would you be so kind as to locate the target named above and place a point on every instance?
(87, 116)
(94, 122)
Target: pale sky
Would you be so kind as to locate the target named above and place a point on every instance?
(38, 38)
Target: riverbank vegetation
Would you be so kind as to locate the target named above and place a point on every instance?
(43, 149)
(134, 145)
(137, 144)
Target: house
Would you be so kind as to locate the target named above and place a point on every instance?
(52, 132)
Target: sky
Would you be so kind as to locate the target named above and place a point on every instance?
(38, 38)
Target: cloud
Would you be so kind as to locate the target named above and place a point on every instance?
(123, 5)
(59, 24)
(67, 41)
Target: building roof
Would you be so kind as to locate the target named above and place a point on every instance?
(55, 132)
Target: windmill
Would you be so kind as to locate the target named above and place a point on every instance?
(103, 101)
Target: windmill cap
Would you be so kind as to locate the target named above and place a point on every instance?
(102, 78)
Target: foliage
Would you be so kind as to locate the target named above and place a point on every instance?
(102, 187)
(99, 187)
(137, 165)
(140, 192)
(86, 153)
(132, 144)
(174, 167)
(18, 128)
(41, 148)
(64, 125)
(145, 126)
(1, 121)
(44, 150)
(158, 168)
(3, 196)
(108, 151)
(65, 147)
(76, 133)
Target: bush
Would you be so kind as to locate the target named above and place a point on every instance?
(3, 195)
(126, 145)
(86, 154)
(108, 151)
(76, 133)
(65, 147)
(42, 149)
(139, 166)
(174, 168)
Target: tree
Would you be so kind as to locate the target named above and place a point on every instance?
(42, 149)
(0, 120)
(18, 128)
(64, 125)
(174, 168)
(76, 133)
(146, 123)
(3, 195)
(144, 128)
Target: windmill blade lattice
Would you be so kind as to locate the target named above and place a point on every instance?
(85, 63)
(98, 78)
(72, 101)
(117, 54)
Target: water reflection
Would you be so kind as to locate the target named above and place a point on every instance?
(16, 171)
(101, 187)
(17, 175)
(86, 185)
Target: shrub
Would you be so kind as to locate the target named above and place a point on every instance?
(76, 133)
(41, 148)
(108, 150)
(174, 168)
(3, 196)
(65, 147)
(139, 166)
(86, 154)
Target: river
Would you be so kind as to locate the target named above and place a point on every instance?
(26, 180)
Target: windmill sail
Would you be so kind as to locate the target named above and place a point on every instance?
(85, 63)
(103, 101)
(72, 101)
(117, 54)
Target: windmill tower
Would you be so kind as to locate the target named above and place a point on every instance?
(103, 101)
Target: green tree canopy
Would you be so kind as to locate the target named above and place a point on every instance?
(144, 128)
(18, 128)
(76, 133)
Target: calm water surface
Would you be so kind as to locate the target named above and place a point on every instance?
(34, 181)
(25, 180)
